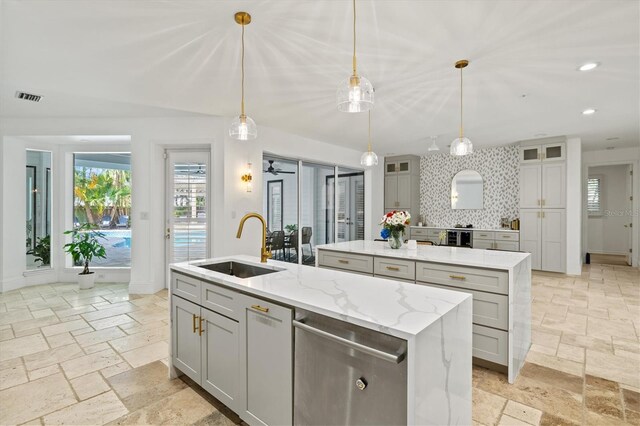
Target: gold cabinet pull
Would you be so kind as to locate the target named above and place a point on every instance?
(195, 327)
(201, 329)
(393, 268)
(506, 236)
(343, 261)
(457, 277)
(259, 308)
(543, 201)
(543, 215)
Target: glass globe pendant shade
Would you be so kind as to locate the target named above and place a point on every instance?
(243, 128)
(461, 146)
(434, 146)
(369, 159)
(355, 95)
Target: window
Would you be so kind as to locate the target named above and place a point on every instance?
(38, 209)
(102, 197)
(594, 196)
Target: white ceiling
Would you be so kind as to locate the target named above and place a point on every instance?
(164, 58)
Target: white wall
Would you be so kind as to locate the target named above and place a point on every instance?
(574, 206)
(613, 157)
(149, 138)
(606, 232)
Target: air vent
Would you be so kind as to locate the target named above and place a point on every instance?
(28, 96)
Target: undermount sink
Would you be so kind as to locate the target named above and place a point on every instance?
(237, 269)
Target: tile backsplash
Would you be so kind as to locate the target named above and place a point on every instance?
(499, 168)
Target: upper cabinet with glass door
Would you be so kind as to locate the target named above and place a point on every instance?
(545, 153)
(398, 167)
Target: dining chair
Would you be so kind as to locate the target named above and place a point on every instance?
(277, 243)
(307, 232)
(292, 243)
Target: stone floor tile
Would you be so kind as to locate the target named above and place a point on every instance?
(61, 339)
(96, 348)
(42, 313)
(22, 346)
(89, 385)
(95, 337)
(98, 410)
(67, 312)
(65, 326)
(44, 396)
(570, 352)
(12, 376)
(52, 356)
(34, 324)
(523, 412)
(89, 363)
(631, 399)
(183, 407)
(43, 372)
(487, 406)
(6, 334)
(122, 308)
(115, 369)
(506, 420)
(142, 386)
(561, 364)
(118, 320)
(138, 340)
(18, 315)
(612, 367)
(147, 354)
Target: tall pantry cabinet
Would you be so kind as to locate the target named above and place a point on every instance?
(402, 185)
(543, 205)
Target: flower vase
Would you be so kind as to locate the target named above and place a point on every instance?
(395, 239)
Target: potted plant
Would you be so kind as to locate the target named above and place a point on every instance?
(393, 224)
(42, 250)
(84, 246)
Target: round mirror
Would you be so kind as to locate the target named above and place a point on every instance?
(467, 191)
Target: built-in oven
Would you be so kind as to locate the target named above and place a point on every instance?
(347, 375)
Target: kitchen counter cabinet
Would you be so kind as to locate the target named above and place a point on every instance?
(435, 324)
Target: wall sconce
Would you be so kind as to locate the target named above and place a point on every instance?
(247, 178)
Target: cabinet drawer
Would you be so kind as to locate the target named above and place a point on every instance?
(463, 277)
(490, 344)
(508, 245)
(434, 233)
(221, 300)
(186, 287)
(489, 309)
(482, 244)
(483, 235)
(395, 268)
(347, 261)
(507, 236)
(418, 233)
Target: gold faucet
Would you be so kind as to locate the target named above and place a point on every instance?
(264, 253)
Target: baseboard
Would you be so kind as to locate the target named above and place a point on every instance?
(10, 284)
(609, 253)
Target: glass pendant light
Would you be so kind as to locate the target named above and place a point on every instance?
(461, 146)
(433, 146)
(243, 127)
(356, 93)
(369, 158)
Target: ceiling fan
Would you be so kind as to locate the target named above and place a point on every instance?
(275, 171)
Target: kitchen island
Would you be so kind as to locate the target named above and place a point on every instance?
(499, 281)
(404, 351)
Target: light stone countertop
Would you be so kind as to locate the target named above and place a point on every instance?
(494, 259)
(393, 307)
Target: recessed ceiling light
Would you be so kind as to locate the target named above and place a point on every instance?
(613, 139)
(539, 135)
(589, 111)
(588, 66)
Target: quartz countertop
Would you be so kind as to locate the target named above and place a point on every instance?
(466, 229)
(462, 256)
(392, 307)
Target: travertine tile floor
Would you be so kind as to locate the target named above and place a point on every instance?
(98, 356)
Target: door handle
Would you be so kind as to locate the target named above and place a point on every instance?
(393, 268)
(195, 327)
(260, 308)
(391, 357)
(168, 234)
(201, 329)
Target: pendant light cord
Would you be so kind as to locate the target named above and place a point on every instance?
(369, 145)
(242, 73)
(461, 125)
(354, 37)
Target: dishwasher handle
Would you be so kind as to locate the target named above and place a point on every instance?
(391, 357)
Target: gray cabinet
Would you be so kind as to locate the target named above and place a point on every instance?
(220, 358)
(402, 184)
(239, 350)
(186, 340)
(267, 352)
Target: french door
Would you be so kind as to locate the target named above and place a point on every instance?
(187, 206)
(350, 218)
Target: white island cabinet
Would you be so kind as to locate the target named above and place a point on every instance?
(500, 283)
(235, 338)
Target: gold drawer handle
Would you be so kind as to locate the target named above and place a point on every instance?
(259, 308)
(195, 327)
(343, 261)
(393, 268)
(201, 329)
(457, 277)
(506, 236)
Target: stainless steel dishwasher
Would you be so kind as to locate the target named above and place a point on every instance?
(347, 375)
